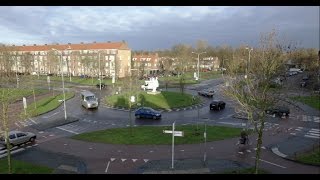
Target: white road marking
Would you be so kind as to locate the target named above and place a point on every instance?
(28, 147)
(44, 136)
(67, 130)
(276, 151)
(112, 124)
(240, 152)
(151, 151)
(262, 147)
(127, 125)
(35, 145)
(12, 152)
(316, 137)
(293, 134)
(270, 163)
(134, 160)
(33, 121)
(17, 125)
(40, 132)
(145, 160)
(298, 129)
(90, 148)
(51, 115)
(248, 151)
(123, 160)
(211, 147)
(107, 167)
(314, 134)
(182, 150)
(51, 135)
(112, 159)
(65, 144)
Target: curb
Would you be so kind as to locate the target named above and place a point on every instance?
(119, 108)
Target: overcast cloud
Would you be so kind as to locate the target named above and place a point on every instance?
(151, 28)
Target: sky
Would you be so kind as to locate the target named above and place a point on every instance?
(158, 27)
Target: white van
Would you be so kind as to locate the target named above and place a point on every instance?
(89, 100)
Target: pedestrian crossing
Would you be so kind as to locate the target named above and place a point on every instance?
(306, 132)
(25, 123)
(306, 118)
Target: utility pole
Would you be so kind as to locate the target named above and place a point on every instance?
(198, 62)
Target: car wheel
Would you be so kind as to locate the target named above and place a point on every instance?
(219, 108)
(154, 117)
(137, 116)
(32, 139)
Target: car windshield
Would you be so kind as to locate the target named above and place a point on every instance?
(90, 98)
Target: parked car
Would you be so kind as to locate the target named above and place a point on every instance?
(206, 92)
(18, 137)
(217, 105)
(278, 111)
(103, 85)
(147, 112)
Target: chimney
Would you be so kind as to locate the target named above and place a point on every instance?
(13, 45)
(81, 42)
(94, 42)
(23, 45)
(57, 44)
(109, 41)
(34, 44)
(45, 44)
(69, 43)
(123, 41)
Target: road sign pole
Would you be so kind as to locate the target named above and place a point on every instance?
(172, 165)
(24, 100)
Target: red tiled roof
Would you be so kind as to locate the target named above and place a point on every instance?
(84, 46)
(138, 56)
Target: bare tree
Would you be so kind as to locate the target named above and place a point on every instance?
(253, 93)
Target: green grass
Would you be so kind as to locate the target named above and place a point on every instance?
(145, 135)
(21, 167)
(17, 94)
(78, 80)
(47, 104)
(310, 158)
(245, 171)
(164, 100)
(313, 101)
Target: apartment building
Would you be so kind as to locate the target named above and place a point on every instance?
(146, 63)
(113, 58)
(207, 63)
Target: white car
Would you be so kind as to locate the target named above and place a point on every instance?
(18, 137)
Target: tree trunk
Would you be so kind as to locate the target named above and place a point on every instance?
(6, 128)
(259, 143)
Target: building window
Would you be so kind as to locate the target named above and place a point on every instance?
(106, 58)
(119, 57)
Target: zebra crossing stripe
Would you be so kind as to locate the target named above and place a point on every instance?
(134, 160)
(145, 160)
(314, 134)
(316, 137)
(123, 160)
(112, 159)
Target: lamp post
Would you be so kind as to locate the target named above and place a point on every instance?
(198, 61)
(64, 95)
(99, 70)
(248, 62)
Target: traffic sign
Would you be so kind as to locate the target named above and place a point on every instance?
(176, 133)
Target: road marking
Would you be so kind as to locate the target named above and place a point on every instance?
(262, 147)
(28, 147)
(33, 121)
(127, 125)
(112, 159)
(51, 115)
(240, 152)
(40, 132)
(44, 136)
(151, 151)
(107, 167)
(182, 150)
(123, 160)
(277, 152)
(134, 160)
(17, 125)
(51, 135)
(298, 129)
(12, 152)
(67, 130)
(314, 134)
(293, 134)
(270, 163)
(112, 124)
(145, 160)
(211, 147)
(248, 151)
(65, 144)
(90, 148)
(316, 137)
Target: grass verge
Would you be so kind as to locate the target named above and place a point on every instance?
(245, 171)
(310, 158)
(21, 167)
(154, 135)
(313, 101)
(164, 100)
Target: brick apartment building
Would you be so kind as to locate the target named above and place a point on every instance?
(78, 59)
(146, 63)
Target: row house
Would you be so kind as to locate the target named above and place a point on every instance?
(113, 58)
(146, 64)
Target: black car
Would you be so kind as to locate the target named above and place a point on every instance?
(217, 105)
(103, 85)
(278, 111)
(305, 78)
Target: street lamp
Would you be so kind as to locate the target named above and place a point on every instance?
(64, 95)
(99, 69)
(248, 62)
(198, 61)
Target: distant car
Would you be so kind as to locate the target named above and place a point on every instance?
(217, 105)
(103, 85)
(147, 112)
(206, 92)
(305, 78)
(278, 111)
(18, 137)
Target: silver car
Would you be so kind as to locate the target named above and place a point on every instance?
(89, 100)
(18, 137)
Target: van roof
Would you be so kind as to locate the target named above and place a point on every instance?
(87, 93)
